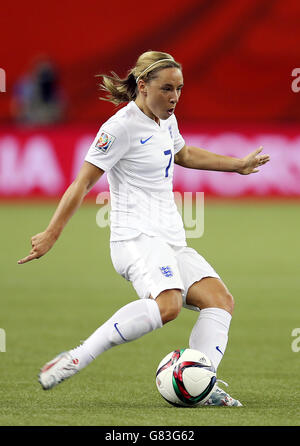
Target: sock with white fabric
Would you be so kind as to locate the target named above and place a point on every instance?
(129, 323)
(210, 333)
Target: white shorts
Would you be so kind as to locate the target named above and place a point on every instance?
(152, 266)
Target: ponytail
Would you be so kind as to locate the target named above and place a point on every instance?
(118, 90)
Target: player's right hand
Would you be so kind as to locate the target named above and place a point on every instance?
(40, 243)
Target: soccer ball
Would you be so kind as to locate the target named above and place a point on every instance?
(186, 378)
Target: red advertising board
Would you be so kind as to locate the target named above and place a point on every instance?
(43, 162)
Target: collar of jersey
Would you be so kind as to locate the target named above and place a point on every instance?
(143, 116)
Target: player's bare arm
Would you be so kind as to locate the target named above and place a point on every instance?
(196, 158)
(71, 200)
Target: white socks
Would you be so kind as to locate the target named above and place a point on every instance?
(130, 322)
(210, 333)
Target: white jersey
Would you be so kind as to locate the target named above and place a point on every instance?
(138, 156)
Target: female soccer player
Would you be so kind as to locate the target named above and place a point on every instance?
(137, 147)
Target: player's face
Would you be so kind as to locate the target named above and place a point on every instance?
(162, 93)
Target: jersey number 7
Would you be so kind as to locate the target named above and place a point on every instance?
(168, 152)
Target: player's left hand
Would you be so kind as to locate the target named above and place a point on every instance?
(251, 162)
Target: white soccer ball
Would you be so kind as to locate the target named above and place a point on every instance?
(186, 378)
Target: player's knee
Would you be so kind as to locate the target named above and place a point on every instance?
(170, 304)
(227, 301)
(222, 299)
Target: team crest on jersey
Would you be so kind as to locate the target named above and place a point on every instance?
(166, 271)
(105, 142)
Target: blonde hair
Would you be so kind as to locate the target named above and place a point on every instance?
(125, 90)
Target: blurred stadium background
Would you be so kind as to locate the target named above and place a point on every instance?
(237, 58)
(241, 91)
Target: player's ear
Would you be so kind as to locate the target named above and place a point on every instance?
(142, 87)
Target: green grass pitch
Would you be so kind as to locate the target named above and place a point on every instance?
(51, 304)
